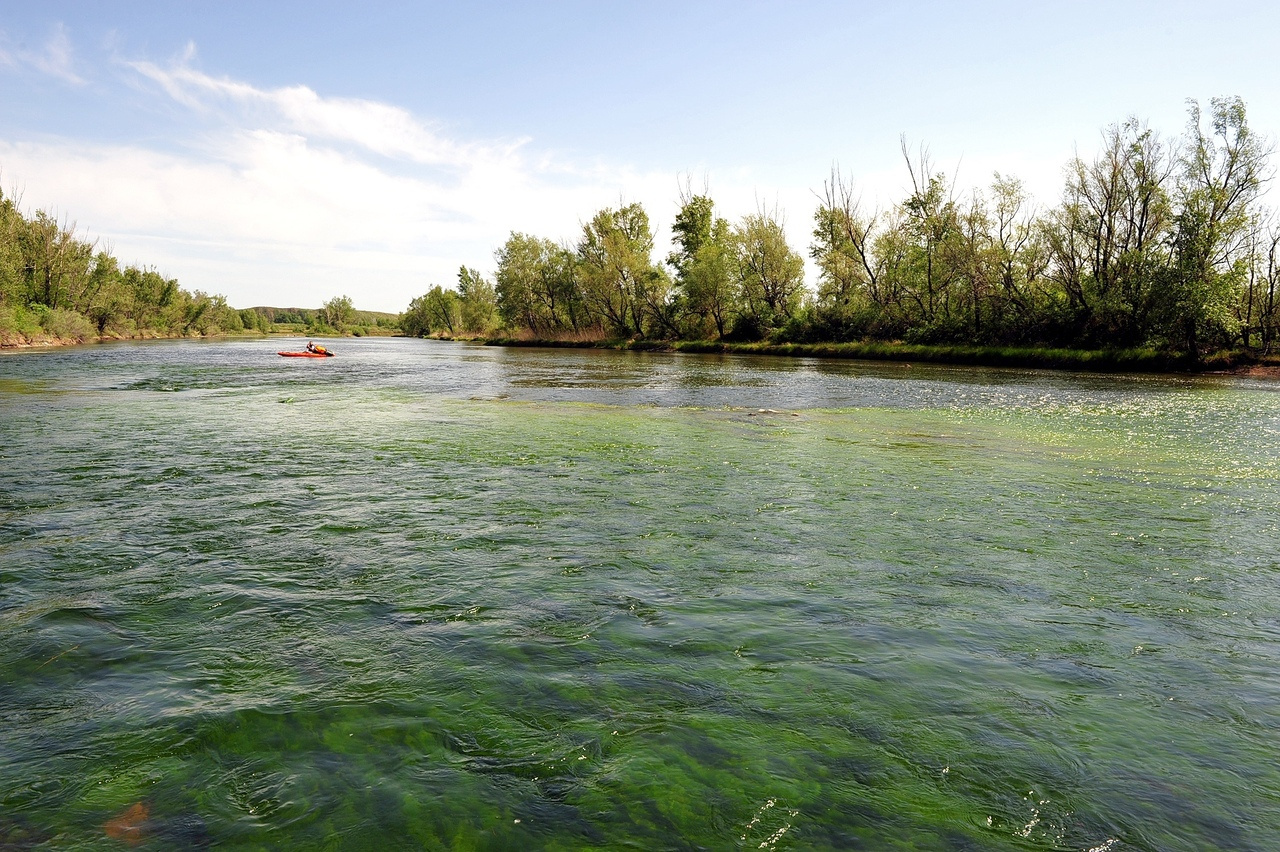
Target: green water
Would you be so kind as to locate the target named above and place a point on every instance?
(429, 595)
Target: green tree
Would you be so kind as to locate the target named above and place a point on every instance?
(930, 223)
(12, 266)
(1256, 308)
(443, 310)
(1222, 172)
(619, 281)
(706, 299)
(154, 302)
(536, 288)
(106, 300)
(478, 302)
(768, 272)
(416, 319)
(850, 297)
(55, 262)
(338, 312)
(1020, 259)
(1109, 239)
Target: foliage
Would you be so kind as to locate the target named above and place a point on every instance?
(707, 299)
(536, 286)
(620, 283)
(477, 302)
(768, 273)
(335, 315)
(471, 310)
(1155, 245)
(55, 286)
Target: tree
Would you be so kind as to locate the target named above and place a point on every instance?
(536, 288)
(12, 265)
(929, 221)
(478, 303)
(443, 310)
(706, 298)
(155, 302)
(769, 273)
(850, 293)
(619, 281)
(1223, 169)
(416, 319)
(338, 312)
(106, 298)
(1256, 309)
(55, 262)
(1019, 260)
(1109, 239)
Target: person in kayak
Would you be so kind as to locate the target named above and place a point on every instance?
(319, 350)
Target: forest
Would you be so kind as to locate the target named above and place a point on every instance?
(58, 287)
(1156, 242)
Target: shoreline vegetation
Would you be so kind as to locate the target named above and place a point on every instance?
(1083, 360)
(37, 336)
(1158, 257)
(57, 289)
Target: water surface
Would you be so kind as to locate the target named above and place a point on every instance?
(445, 596)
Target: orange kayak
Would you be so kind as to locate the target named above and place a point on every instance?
(306, 354)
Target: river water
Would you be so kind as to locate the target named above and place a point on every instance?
(443, 596)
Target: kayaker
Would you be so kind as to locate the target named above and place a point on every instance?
(311, 347)
(319, 350)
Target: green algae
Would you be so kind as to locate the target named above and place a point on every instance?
(1043, 621)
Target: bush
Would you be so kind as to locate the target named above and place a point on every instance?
(17, 325)
(68, 325)
(746, 329)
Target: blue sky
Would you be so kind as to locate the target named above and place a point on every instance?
(284, 153)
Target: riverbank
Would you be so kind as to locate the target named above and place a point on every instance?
(48, 342)
(1091, 360)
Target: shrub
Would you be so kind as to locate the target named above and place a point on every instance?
(17, 325)
(68, 325)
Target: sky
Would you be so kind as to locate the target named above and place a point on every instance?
(284, 153)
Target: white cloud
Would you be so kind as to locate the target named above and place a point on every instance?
(293, 197)
(379, 128)
(55, 57)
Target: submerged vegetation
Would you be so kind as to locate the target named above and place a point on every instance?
(1159, 252)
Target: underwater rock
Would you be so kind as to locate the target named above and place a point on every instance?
(130, 825)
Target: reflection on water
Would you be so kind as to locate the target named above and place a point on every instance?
(453, 596)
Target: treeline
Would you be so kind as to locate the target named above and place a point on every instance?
(336, 316)
(1159, 243)
(57, 286)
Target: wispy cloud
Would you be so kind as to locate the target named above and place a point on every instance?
(287, 192)
(378, 128)
(285, 195)
(55, 57)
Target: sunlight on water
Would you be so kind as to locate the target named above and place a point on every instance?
(449, 596)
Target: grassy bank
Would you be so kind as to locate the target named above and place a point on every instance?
(1095, 360)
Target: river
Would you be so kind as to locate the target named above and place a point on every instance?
(444, 596)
